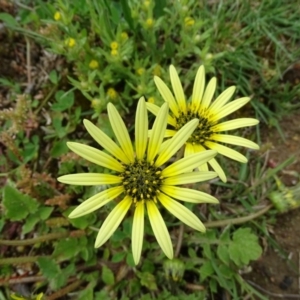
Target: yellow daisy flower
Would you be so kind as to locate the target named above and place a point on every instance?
(142, 177)
(208, 133)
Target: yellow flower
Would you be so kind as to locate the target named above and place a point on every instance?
(149, 23)
(208, 133)
(37, 297)
(112, 94)
(114, 52)
(151, 100)
(143, 176)
(57, 16)
(114, 45)
(189, 22)
(124, 36)
(70, 42)
(140, 71)
(93, 64)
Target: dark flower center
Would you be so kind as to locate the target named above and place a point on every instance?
(141, 180)
(203, 131)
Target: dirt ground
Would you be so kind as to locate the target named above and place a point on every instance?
(278, 276)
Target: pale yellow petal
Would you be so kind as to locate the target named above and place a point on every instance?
(159, 229)
(138, 231)
(229, 108)
(141, 129)
(218, 169)
(203, 166)
(155, 109)
(189, 178)
(198, 89)
(105, 141)
(112, 221)
(96, 201)
(120, 131)
(181, 212)
(226, 151)
(234, 140)
(234, 124)
(89, 179)
(167, 95)
(223, 98)
(158, 132)
(96, 156)
(177, 88)
(208, 94)
(176, 142)
(188, 149)
(188, 195)
(188, 163)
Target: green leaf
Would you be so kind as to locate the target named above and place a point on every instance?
(45, 212)
(8, 19)
(17, 205)
(206, 270)
(31, 221)
(53, 77)
(118, 257)
(223, 254)
(107, 276)
(127, 14)
(244, 247)
(59, 148)
(49, 268)
(148, 280)
(64, 100)
(66, 248)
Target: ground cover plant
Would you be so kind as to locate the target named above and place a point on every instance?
(74, 68)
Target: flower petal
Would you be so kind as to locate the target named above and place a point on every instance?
(177, 89)
(226, 151)
(188, 195)
(188, 163)
(96, 156)
(97, 201)
(204, 166)
(189, 149)
(234, 140)
(234, 124)
(208, 94)
(141, 129)
(181, 212)
(120, 131)
(160, 230)
(158, 132)
(223, 98)
(89, 179)
(105, 141)
(155, 109)
(167, 95)
(138, 231)
(218, 169)
(112, 221)
(198, 89)
(189, 178)
(229, 108)
(176, 142)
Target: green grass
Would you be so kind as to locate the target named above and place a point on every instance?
(242, 44)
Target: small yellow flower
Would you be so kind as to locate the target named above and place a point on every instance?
(96, 102)
(114, 45)
(70, 42)
(189, 22)
(151, 100)
(140, 71)
(114, 52)
(93, 64)
(112, 94)
(57, 16)
(149, 23)
(147, 4)
(143, 176)
(157, 70)
(124, 36)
